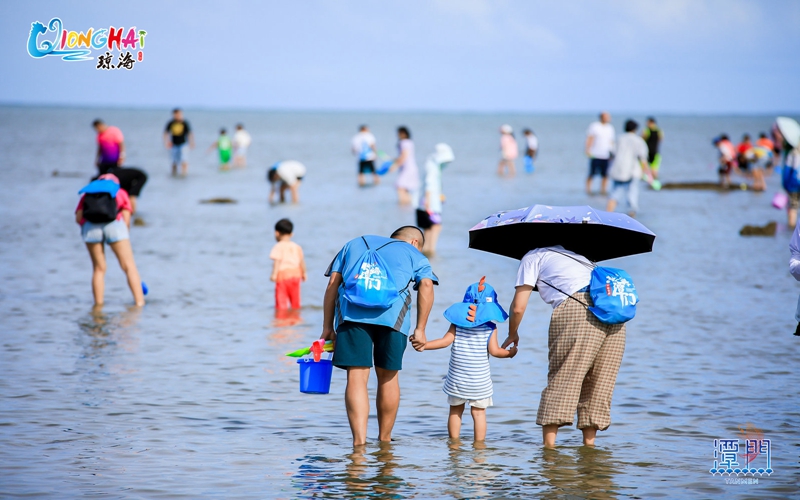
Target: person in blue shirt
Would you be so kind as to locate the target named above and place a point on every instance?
(362, 335)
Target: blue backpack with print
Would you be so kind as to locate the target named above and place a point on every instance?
(613, 293)
(369, 282)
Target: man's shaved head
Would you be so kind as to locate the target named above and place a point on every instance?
(410, 234)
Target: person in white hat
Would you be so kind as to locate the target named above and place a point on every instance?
(429, 213)
(790, 131)
(508, 151)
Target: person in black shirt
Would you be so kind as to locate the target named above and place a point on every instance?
(176, 135)
(653, 135)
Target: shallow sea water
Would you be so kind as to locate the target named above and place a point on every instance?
(191, 396)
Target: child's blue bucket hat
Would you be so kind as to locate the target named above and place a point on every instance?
(478, 307)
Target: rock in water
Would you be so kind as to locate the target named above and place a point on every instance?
(218, 200)
(767, 230)
(138, 221)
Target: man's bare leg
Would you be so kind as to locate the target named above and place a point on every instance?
(356, 401)
(388, 401)
(589, 433)
(549, 433)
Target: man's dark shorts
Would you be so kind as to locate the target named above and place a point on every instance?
(366, 167)
(358, 343)
(130, 179)
(599, 167)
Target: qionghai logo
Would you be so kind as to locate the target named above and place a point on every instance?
(79, 46)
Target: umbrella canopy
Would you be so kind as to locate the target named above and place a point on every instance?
(595, 234)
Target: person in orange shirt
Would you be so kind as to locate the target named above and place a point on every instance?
(288, 267)
(765, 142)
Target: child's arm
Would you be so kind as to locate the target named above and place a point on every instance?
(212, 147)
(441, 343)
(274, 275)
(497, 351)
(303, 268)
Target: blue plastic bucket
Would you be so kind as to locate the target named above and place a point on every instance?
(315, 378)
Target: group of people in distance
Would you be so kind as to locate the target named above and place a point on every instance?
(626, 161)
(425, 194)
(232, 148)
(106, 208)
(746, 159)
(509, 151)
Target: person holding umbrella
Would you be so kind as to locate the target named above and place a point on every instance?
(557, 248)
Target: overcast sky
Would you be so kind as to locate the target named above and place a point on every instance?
(673, 56)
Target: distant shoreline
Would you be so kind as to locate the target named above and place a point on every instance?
(258, 110)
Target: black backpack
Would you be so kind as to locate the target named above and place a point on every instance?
(99, 207)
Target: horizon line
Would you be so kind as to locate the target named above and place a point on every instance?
(333, 110)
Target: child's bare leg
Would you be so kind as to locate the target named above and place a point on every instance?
(589, 433)
(549, 433)
(479, 421)
(454, 421)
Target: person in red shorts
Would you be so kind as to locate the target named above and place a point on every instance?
(288, 267)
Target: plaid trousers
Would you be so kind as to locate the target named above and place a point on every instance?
(584, 358)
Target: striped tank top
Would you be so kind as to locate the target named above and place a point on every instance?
(468, 376)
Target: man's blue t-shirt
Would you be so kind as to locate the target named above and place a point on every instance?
(407, 265)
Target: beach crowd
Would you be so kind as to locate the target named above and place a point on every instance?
(368, 299)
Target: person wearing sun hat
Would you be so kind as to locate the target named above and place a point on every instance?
(473, 335)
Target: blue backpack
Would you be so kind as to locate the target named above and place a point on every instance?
(789, 179)
(369, 282)
(613, 293)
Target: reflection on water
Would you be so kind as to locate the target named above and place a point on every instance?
(582, 472)
(192, 396)
(367, 473)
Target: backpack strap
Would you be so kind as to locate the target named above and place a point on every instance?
(388, 243)
(590, 264)
(565, 293)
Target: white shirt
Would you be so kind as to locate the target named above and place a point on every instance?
(565, 273)
(433, 185)
(533, 142)
(241, 139)
(603, 143)
(631, 151)
(794, 260)
(362, 145)
(289, 171)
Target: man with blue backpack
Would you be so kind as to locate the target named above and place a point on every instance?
(586, 337)
(366, 314)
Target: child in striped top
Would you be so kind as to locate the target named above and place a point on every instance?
(473, 336)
